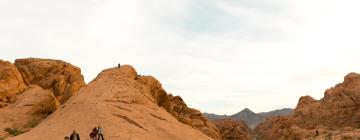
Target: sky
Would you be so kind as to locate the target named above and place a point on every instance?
(220, 56)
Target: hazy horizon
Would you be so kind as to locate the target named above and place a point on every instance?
(219, 56)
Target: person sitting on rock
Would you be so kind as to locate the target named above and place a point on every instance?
(75, 136)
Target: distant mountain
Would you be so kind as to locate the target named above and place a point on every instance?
(277, 112)
(251, 118)
(212, 116)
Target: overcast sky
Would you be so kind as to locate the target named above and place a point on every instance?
(219, 55)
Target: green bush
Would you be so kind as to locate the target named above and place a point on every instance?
(13, 131)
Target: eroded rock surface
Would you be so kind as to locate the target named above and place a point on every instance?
(32, 106)
(177, 107)
(123, 106)
(335, 115)
(62, 78)
(233, 130)
(11, 83)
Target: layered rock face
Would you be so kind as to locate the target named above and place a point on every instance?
(11, 83)
(28, 89)
(337, 115)
(177, 107)
(62, 78)
(233, 130)
(124, 105)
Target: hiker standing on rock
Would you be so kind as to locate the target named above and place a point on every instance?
(100, 133)
(75, 136)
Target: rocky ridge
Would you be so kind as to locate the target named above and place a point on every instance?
(335, 116)
(251, 118)
(125, 106)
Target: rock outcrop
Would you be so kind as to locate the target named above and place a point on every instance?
(337, 115)
(28, 89)
(31, 107)
(62, 78)
(11, 83)
(177, 107)
(123, 105)
(233, 130)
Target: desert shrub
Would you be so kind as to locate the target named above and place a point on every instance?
(46, 107)
(13, 131)
(1, 138)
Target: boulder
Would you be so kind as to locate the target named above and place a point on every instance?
(233, 130)
(11, 83)
(62, 78)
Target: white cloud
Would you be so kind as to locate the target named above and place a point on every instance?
(220, 56)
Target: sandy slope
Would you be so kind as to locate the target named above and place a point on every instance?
(28, 110)
(123, 108)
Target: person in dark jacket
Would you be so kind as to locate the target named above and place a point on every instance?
(93, 134)
(75, 136)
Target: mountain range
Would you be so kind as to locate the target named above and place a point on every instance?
(251, 118)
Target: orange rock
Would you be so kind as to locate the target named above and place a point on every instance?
(233, 130)
(11, 83)
(60, 77)
(338, 110)
(32, 106)
(177, 107)
(123, 106)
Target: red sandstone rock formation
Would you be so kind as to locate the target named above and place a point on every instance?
(233, 130)
(31, 107)
(177, 107)
(337, 115)
(62, 78)
(123, 106)
(23, 101)
(11, 83)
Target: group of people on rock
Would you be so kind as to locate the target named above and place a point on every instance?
(95, 134)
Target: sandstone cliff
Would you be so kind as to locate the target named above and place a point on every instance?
(28, 90)
(177, 107)
(62, 78)
(11, 83)
(336, 116)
